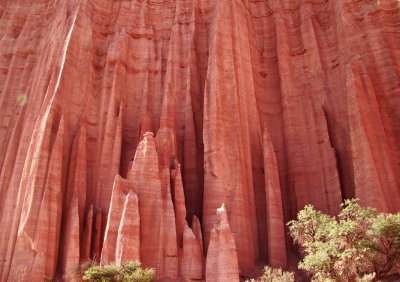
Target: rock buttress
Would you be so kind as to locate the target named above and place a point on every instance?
(222, 256)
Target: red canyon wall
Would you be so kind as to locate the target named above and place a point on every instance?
(126, 124)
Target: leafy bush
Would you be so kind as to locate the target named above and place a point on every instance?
(360, 245)
(274, 275)
(131, 271)
(109, 272)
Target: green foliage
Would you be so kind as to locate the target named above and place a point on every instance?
(131, 271)
(359, 245)
(104, 273)
(274, 275)
(22, 100)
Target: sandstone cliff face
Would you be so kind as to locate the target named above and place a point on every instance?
(222, 257)
(126, 124)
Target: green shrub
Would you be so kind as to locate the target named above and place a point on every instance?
(359, 245)
(109, 272)
(131, 271)
(274, 275)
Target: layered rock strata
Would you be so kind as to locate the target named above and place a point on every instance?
(125, 124)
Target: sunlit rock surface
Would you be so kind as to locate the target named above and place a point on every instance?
(125, 124)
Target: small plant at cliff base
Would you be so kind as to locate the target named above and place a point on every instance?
(128, 272)
(132, 271)
(78, 271)
(274, 275)
(360, 245)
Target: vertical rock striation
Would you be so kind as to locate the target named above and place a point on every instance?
(36, 247)
(128, 240)
(122, 204)
(275, 221)
(145, 175)
(125, 124)
(231, 130)
(222, 256)
(191, 265)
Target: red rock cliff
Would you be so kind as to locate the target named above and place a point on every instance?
(126, 124)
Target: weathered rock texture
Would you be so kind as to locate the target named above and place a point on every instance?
(125, 124)
(222, 257)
